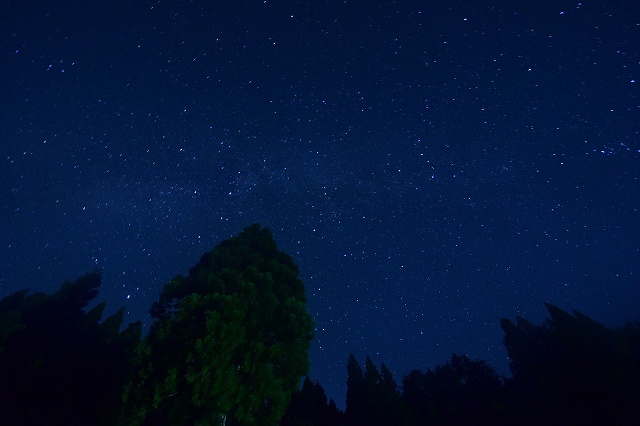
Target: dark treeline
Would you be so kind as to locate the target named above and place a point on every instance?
(229, 344)
(570, 370)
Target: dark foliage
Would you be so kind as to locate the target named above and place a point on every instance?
(309, 407)
(573, 370)
(58, 364)
(372, 397)
(461, 392)
(230, 342)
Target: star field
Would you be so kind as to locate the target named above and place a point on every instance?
(431, 166)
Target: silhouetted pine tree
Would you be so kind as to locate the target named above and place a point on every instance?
(309, 407)
(372, 397)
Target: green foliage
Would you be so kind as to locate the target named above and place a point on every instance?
(230, 339)
(230, 343)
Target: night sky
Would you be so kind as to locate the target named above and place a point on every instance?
(431, 166)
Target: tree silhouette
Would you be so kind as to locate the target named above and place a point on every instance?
(573, 370)
(461, 392)
(58, 364)
(356, 412)
(309, 407)
(372, 398)
(230, 341)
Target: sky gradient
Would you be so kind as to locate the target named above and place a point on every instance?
(431, 166)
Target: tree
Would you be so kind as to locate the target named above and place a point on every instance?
(309, 407)
(229, 342)
(460, 392)
(372, 398)
(573, 370)
(58, 364)
(356, 410)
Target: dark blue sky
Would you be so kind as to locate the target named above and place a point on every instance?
(431, 166)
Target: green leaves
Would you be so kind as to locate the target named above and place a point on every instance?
(230, 339)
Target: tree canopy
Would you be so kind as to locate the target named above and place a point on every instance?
(460, 392)
(573, 370)
(372, 396)
(60, 364)
(230, 340)
(229, 345)
(309, 407)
